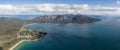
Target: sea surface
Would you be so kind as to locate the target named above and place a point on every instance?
(102, 35)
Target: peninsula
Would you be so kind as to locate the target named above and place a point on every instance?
(12, 30)
(29, 35)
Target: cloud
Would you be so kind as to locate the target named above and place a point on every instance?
(118, 2)
(58, 9)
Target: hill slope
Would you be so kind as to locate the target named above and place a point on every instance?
(68, 18)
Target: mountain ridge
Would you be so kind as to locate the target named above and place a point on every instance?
(65, 18)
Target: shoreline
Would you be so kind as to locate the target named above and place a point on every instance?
(17, 44)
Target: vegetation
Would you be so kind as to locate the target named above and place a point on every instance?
(0, 48)
(7, 45)
(8, 29)
(30, 34)
(66, 18)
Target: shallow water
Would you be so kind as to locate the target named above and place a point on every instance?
(103, 35)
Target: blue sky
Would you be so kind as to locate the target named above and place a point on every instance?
(98, 7)
(111, 3)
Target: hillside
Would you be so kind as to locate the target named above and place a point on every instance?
(8, 29)
(30, 34)
(10, 26)
(67, 18)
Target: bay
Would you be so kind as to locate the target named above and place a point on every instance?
(102, 35)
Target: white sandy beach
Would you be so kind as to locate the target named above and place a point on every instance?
(17, 44)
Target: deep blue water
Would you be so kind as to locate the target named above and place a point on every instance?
(103, 35)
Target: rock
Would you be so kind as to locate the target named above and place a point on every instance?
(31, 34)
(66, 18)
(0, 48)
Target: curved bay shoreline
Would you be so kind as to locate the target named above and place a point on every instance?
(12, 48)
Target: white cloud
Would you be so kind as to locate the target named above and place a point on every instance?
(118, 2)
(58, 9)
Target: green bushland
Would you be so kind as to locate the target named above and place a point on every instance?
(8, 31)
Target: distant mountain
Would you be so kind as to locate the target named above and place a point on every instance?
(66, 18)
(23, 17)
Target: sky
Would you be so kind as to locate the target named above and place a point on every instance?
(94, 7)
(90, 2)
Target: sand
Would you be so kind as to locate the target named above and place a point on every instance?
(17, 44)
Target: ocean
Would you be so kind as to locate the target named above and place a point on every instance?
(102, 35)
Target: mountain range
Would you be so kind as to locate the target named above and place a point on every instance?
(65, 18)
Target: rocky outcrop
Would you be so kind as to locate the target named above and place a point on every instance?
(0, 48)
(67, 18)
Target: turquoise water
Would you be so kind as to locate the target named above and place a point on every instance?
(103, 35)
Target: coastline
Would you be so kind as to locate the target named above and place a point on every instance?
(17, 44)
